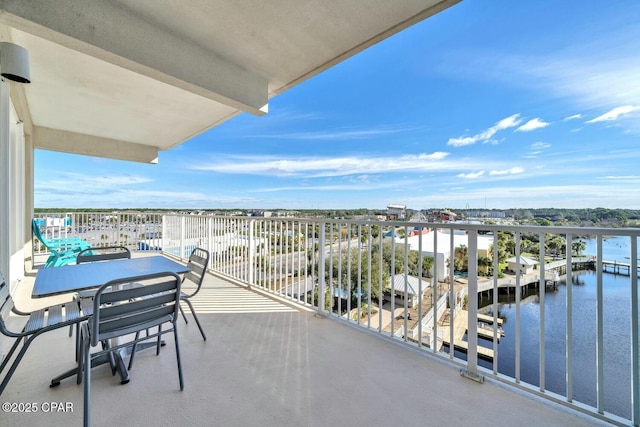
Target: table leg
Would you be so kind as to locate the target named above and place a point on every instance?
(120, 366)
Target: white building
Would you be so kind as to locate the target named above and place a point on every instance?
(444, 247)
(415, 288)
(396, 211)
(527, 265)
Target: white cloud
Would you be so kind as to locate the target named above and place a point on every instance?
(514, 170)
(599, 72)
(471, 175)
(532, 124)
(614, 114)
(537, 146)
(487, 134)
(536, 196)
(575, 116)
(331, 166)
(459, 142)
(338, 134)
(621, 177)
(349, 186)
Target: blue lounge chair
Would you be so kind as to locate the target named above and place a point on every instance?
(62, 251)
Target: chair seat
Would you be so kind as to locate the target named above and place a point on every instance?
(37, 323)
(53, 315)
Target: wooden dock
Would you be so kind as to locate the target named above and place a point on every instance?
(615, 267)
(489, 319)
(460, 323)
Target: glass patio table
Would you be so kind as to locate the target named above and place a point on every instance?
(74, 278)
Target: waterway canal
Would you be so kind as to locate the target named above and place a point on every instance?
(617, 332)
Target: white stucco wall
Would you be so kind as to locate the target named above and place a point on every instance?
(12, 190)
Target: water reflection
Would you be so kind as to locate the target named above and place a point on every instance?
(617, 332)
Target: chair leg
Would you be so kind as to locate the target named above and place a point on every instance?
(8, 355)
(133, 350)
(195, 316)
(78, 355)
(175, 337)
(80, 358)
(159, 340)
(112, 358)
(87, 382)
(14, 365)
(183, 315)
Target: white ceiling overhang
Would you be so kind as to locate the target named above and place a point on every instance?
(128, 78)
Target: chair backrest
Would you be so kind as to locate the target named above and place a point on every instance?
(103, 254)
(37, 233)
(119, 310)
(35, 228)
(197, 265)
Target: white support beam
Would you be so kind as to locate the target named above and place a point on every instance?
(110, 32)
(88, 145)
(5, 183)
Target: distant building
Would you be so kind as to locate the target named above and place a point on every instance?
(396, 212)
(527, 265)
(486, 214)
(414, 287)
(419, 230)
(443, 215)
(443, 253)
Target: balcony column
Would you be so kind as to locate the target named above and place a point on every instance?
(6, 171)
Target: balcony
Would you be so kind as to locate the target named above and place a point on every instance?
(284, 346)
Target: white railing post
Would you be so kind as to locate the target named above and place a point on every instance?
(321, 267)
(518, 297)
(435, 295)
(453, 305)
(635, 357)
(472, 307)
(542, 288)
(251, 253)
(569, 322)
(182, 235)
(599, 327)
(163, 238)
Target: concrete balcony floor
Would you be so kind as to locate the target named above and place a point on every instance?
(266, 363)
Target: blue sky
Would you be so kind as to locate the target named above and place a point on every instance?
(491, 103)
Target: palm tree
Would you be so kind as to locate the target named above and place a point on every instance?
(461, 258)
(578, 246)
(484, 263)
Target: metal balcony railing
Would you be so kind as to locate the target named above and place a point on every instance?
(135, 230)
(550, 310)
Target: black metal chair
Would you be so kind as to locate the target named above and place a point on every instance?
(198, 262)
(118, 313)
(38, 322)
